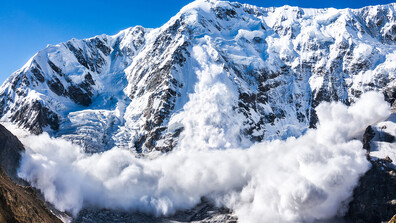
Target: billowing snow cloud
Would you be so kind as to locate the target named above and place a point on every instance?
(301, 179)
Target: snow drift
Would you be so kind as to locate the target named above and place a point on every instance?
(299, 179)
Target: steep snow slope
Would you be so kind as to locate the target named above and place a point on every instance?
(74, 89)
(230, 64)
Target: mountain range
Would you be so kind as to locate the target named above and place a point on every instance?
(264, 70)
(130, 90)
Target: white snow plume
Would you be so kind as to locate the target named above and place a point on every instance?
(208, 118)
(297, 180)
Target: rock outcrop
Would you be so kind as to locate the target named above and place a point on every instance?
(18, 203)
(10, 153)
(374, 200)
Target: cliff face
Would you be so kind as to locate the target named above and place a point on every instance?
(374, 199)
(10, 153)
(17, 203)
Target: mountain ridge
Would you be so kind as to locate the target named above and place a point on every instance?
(218, 75)
(282, 62)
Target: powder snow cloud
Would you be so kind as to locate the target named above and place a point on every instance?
(296, 180)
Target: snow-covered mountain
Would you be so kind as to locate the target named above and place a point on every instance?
(265, 69)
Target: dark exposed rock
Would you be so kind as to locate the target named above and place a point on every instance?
(276, 89)
(225, 14)
(21, 204)
(139, 143)
(78, 96)
(385, 137)
(313, 119)
(36, 70)
(156, 116)
(375, 23)
(101, 46)
(34, 117)
(10, 149)
(56, 86)
(389, 35)
(2, 105)
(374, 200)
(17, 203)
(269, 92)
(78, 53)
(93, 62)
(375, 135)
(55, 68)
(367, 137)
(390, 95)
(160, 83)
(88, 79)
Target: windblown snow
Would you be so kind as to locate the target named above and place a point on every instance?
(297, 180)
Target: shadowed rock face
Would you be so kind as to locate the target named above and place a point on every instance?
(17, 203)
(34, 117)
(10, 149)
(21, 204)
(393, 220)
(374, 200)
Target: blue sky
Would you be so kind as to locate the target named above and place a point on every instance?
(28, 26)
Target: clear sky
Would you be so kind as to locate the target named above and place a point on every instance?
(26, 26)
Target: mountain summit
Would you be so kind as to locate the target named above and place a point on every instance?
(265, 69)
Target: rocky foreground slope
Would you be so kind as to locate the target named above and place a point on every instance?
(133, 89)
(10, 153)
(21, 204)
(18, 203)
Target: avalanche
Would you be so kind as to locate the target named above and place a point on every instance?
(130, 90)
(257, 109)
(297, 180)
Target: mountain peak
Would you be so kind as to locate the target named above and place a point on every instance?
(281, 62)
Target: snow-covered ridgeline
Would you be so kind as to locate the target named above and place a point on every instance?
(132, 89)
